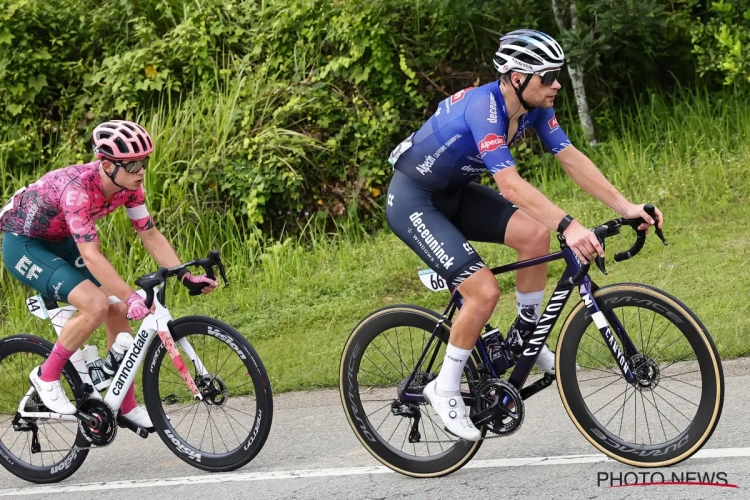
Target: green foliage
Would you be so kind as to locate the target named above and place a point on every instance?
(315, 93)
(721, 41)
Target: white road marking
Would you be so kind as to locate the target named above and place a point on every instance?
(346, 471)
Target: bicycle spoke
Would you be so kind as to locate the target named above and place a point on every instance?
(595, 359)
(648, 428)
(373, 412)
(599, 378)
(658, 413)
(610, 402)
(651, 330)
(680, 381)
(384, 418)
(191, 422)
(671, 392)
(238, 422)
(665, 348)
(673, 406)
(601, 388)
(387, 380)
(660, 336)
(661, 413)
(388, 359)
(383, 376)
(622, 417)
(677, 361)
(211, 418)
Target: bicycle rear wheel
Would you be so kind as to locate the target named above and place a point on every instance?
(378, 358)
(35, 449)
(672, 409)
(229, 427)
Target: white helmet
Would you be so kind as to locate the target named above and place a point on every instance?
(528, 51)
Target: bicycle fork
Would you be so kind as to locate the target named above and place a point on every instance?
(603, 322)
(179, 364)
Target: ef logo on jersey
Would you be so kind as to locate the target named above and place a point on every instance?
(76, 199)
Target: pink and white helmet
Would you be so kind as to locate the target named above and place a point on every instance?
(121, 140)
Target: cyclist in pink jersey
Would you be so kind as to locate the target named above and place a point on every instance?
(50, 242)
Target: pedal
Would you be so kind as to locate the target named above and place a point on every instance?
(140, 431)
(537, 386)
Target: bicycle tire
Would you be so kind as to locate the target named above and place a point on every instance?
(701, 427)
(248, 447)
(361, 337)
(72, 461)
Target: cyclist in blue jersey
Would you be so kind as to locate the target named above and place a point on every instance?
(435, 208)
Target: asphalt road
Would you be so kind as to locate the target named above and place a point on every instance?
(312, 453)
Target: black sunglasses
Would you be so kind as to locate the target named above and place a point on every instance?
(548, 77)
(132, 167)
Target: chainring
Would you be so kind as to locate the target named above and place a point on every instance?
(490, 395)
(106, 430)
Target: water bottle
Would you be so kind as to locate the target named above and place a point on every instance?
(117, 353)
(495, 345)
(96, 367)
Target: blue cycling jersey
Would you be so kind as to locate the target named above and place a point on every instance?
(468, 134)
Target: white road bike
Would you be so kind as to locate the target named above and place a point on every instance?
(205, 388)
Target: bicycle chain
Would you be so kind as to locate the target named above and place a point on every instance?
(39, 406)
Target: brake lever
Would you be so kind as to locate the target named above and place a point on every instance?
(214, 255)
(651, 210)
(600, 232)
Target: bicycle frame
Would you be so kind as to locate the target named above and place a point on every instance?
(550, 315)
(156, 324)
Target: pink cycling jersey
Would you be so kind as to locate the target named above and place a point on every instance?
(67, 202)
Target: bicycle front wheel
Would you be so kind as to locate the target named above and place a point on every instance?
(229, 427)
(674, 405)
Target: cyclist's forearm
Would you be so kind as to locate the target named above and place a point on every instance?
(107, 276)
(159, 248)
(530, 200)
(582, 170)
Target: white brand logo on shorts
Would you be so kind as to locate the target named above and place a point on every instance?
(80, 263)
(25, 266)
(432, 248)
(468, 248)
(390, 200)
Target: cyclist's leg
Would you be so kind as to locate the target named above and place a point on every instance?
(42, 265)
(414, 218)
(528, 237)
(115, 322)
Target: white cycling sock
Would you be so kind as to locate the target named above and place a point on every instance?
(530, 300)
(449, 378)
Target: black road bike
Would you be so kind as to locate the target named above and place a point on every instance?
(637, 372)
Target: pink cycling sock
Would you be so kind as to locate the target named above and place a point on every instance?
(52, 368)
(129, 402)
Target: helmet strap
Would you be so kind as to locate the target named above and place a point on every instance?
(112, 175)
(519, 92)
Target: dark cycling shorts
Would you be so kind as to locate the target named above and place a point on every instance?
(437, 225)
(52, 268)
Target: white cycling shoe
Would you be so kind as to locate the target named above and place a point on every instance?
(139, 416)
(452, 411)
(52, 394)
(546, 361)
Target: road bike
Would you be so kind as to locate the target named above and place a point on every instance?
(637, 372)
(205, 388)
